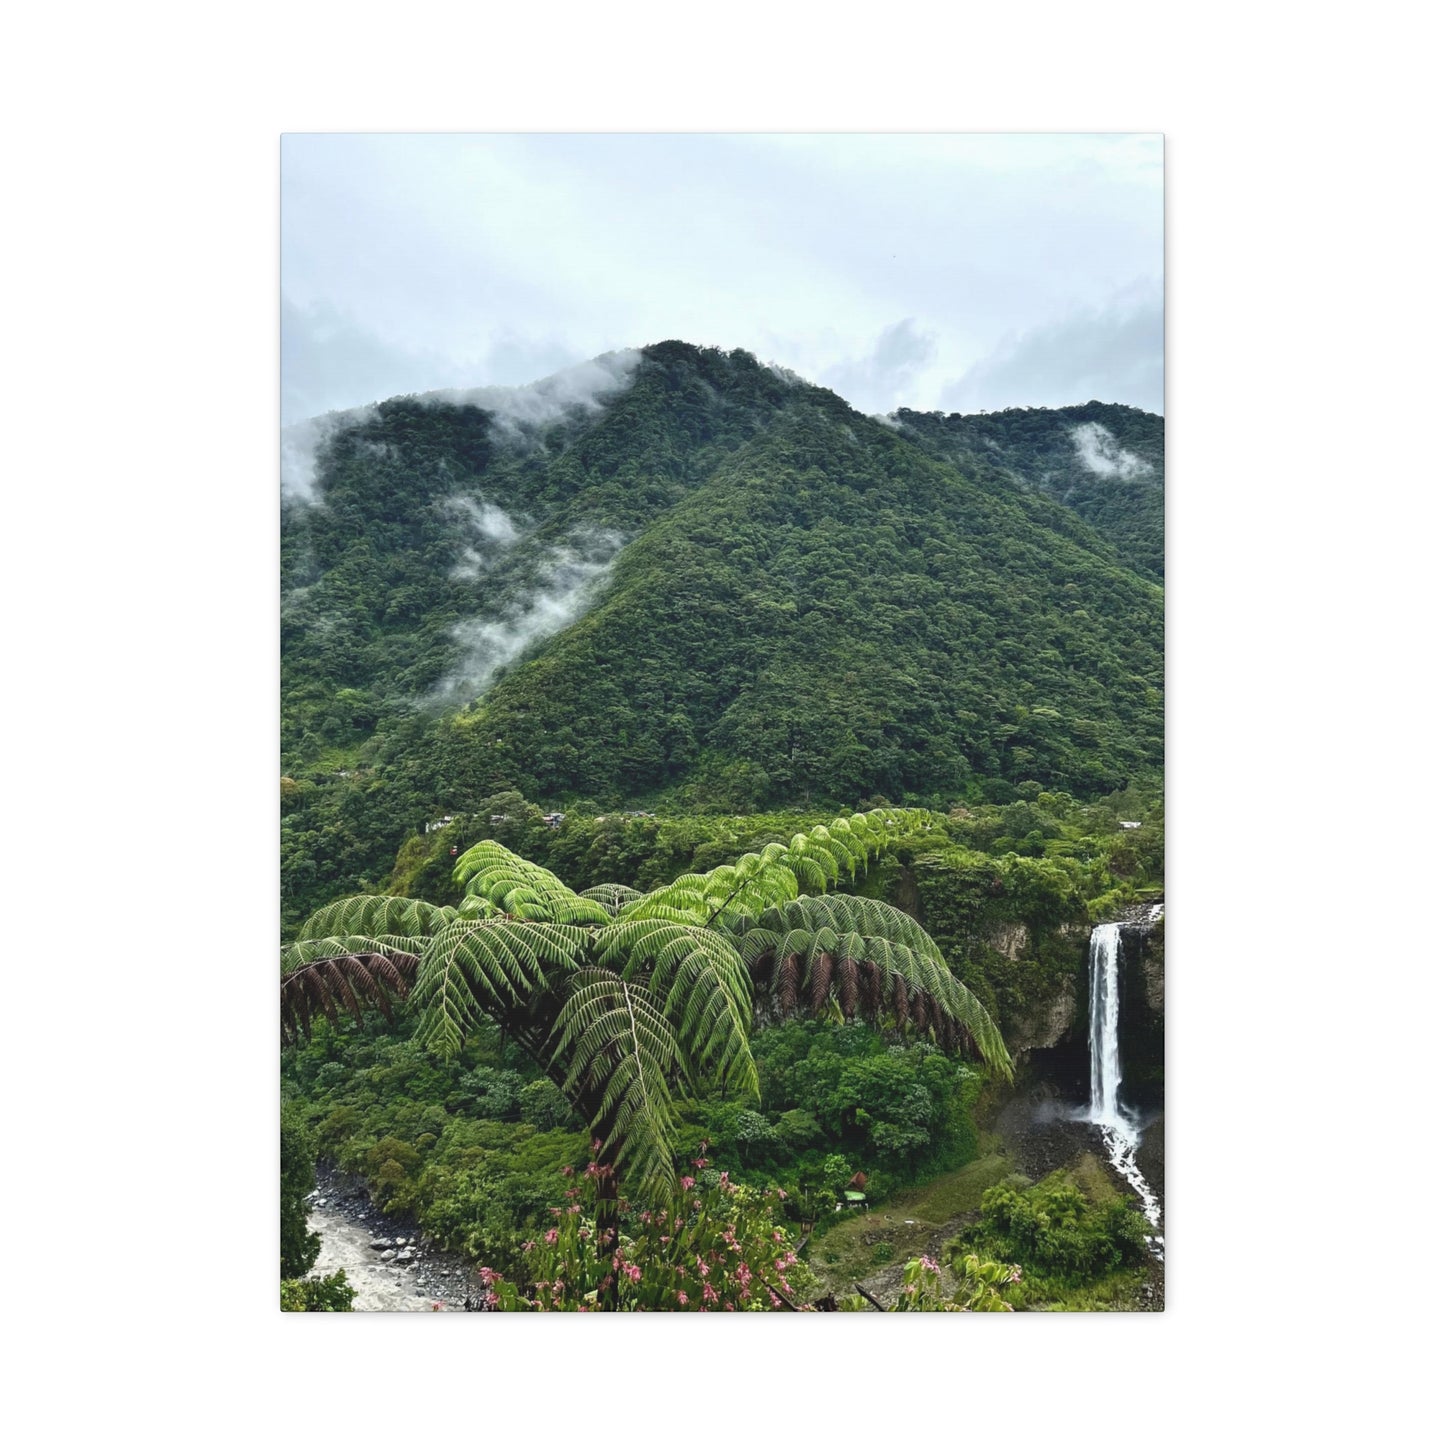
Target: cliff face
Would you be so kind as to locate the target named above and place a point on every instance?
(1141, 1015)
(1060, 1015)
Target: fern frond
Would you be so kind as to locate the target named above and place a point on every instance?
(373, 914)
(480, 967)
(323, 975)
(612, 896)
(704, 988)
(622, 1053)
(504, 883)
(778, 872)
(873, 959)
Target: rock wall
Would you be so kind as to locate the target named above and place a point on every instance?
(1141, 1015)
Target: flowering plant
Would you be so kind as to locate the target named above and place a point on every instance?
(710, 1246)
(979, 1284)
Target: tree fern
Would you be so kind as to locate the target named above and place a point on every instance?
(624, 996)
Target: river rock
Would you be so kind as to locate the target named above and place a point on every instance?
(387, 1256)
(381, 1244)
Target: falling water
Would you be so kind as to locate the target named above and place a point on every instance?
(1119, 1128)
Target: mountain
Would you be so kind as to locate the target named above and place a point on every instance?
(684, 578)
(1106, 463)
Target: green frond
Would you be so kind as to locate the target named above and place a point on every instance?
(478, 967)
(377, 914)
(622, 1052)
(501, 881)
(612, 896)
(704, 987)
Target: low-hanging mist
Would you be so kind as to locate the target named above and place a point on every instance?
(568, 579)
(518, 412)
(1102, 453)
(492, 531)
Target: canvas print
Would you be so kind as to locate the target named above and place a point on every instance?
(722, 723)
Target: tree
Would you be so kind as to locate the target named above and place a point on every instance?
(299, 1246)
(626, 999)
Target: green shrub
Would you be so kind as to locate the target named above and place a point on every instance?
(1055, 1228)
(317, 1294)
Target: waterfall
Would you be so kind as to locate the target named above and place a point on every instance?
(1106, 1074)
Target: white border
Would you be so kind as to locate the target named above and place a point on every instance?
(141, 592)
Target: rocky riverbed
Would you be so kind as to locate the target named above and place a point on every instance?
(391, 1266)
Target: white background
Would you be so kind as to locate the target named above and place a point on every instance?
(140, 360)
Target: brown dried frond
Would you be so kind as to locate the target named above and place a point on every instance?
(350, 981)
(819, 981)
(790, 971)
(848, 986)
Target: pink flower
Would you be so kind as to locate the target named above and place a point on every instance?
(550, 1236)
(688, 1181)
(567, 1170)
(709, 1294)
(632, 1272)
(682, 1297)
(528, 1245)
(702, 1269)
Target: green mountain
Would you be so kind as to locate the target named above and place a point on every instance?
(686, 579)
(1104, 462)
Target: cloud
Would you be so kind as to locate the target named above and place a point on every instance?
(1099, 450)
(569, 578)
(493, 530)
(885, 377)
(520, 410)
(302, 442)
(1109, 353)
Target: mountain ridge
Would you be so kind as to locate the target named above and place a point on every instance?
(798, 603)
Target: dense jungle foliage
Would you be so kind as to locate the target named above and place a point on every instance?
(722, 590)
(1103, 462)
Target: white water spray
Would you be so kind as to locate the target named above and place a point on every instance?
(1120, 1130)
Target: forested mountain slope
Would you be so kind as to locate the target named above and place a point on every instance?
(1102, 461)
(713, 584)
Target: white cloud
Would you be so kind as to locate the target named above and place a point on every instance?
(1100, 451)
(569, 578)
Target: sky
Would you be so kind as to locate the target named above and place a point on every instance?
(953, 272)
